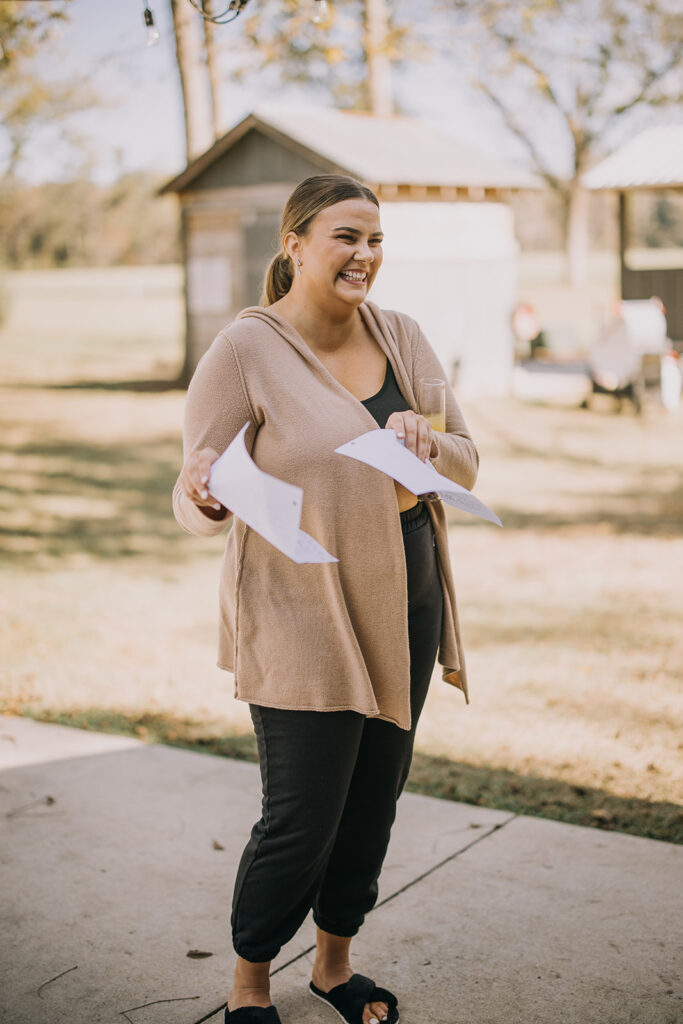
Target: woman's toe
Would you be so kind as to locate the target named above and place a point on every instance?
(378, 1011)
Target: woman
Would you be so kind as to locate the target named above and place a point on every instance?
(334, 659)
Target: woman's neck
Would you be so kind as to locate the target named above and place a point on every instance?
(320, 330)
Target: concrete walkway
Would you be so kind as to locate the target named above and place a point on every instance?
(117, 860)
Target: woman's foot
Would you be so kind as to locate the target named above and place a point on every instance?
(251, 985)
(328, 979)
(332, 968)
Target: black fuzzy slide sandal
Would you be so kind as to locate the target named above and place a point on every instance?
(349, 999)
(252, 1015)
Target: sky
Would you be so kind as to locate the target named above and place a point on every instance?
(141, 126)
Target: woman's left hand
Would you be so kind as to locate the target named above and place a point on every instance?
(417, 432)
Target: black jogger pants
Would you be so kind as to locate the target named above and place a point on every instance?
(331, 780)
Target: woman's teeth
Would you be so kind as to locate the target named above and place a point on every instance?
(353, 275)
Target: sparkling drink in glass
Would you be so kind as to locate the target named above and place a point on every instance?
(432, 402)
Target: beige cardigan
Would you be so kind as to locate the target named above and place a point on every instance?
(332, 636)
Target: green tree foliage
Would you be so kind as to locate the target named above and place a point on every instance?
(80, 223)
(280, 36)
(29, 99)
(565, 74)
(24, 27)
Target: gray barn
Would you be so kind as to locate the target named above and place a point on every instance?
(450, 252)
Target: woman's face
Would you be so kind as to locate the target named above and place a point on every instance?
(341, 253)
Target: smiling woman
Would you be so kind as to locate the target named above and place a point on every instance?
(334, 659)
(301, 220)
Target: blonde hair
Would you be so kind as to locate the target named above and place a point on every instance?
(309, 198)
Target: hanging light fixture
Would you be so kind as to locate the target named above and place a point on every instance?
(235, 7)
(232, 11)
(152, 31)
(322, 12)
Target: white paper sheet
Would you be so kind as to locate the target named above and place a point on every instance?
(383, 450)
(269, 506)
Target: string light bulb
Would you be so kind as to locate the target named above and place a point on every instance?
(322, 12)
(152, 31)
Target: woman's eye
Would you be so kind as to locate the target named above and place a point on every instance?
(351, 238)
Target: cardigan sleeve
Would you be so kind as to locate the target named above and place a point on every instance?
(216, 409)
(457, 457)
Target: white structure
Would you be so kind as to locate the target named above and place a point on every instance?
(652, 159)
(453, 267)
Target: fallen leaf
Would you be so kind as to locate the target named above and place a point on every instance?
(197, 954)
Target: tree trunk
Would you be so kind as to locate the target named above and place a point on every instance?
(378, 63)
(577, 235)
(214, 74)
(192, 72)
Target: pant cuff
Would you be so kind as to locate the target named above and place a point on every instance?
(334, 928)
(256, 956)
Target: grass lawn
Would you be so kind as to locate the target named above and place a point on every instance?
(108, 611)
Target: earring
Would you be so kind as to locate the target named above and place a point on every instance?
(298, 266)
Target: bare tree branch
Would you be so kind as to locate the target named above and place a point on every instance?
(511, 124)
(539, 58)
(652, 76)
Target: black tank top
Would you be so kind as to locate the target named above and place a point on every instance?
(387, 400)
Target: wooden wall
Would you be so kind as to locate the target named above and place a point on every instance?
(256, 160)
(667, 285)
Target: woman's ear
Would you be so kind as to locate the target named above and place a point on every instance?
(292, 246)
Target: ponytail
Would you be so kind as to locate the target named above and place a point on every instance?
(278, 279)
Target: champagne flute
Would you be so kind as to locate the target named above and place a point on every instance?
(431, 401)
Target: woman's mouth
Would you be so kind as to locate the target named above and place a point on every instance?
(354, 276)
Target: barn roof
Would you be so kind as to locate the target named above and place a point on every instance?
(653, 159)
(378, 150)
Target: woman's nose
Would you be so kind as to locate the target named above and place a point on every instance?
(364, 253)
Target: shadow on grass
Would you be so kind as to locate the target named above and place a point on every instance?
(152, 386)
(544, 797)
(103, 500)
(544, 451)
(641, 511)
(646, 509)
(482, 785)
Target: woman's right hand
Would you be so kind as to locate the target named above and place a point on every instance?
(194, 480)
